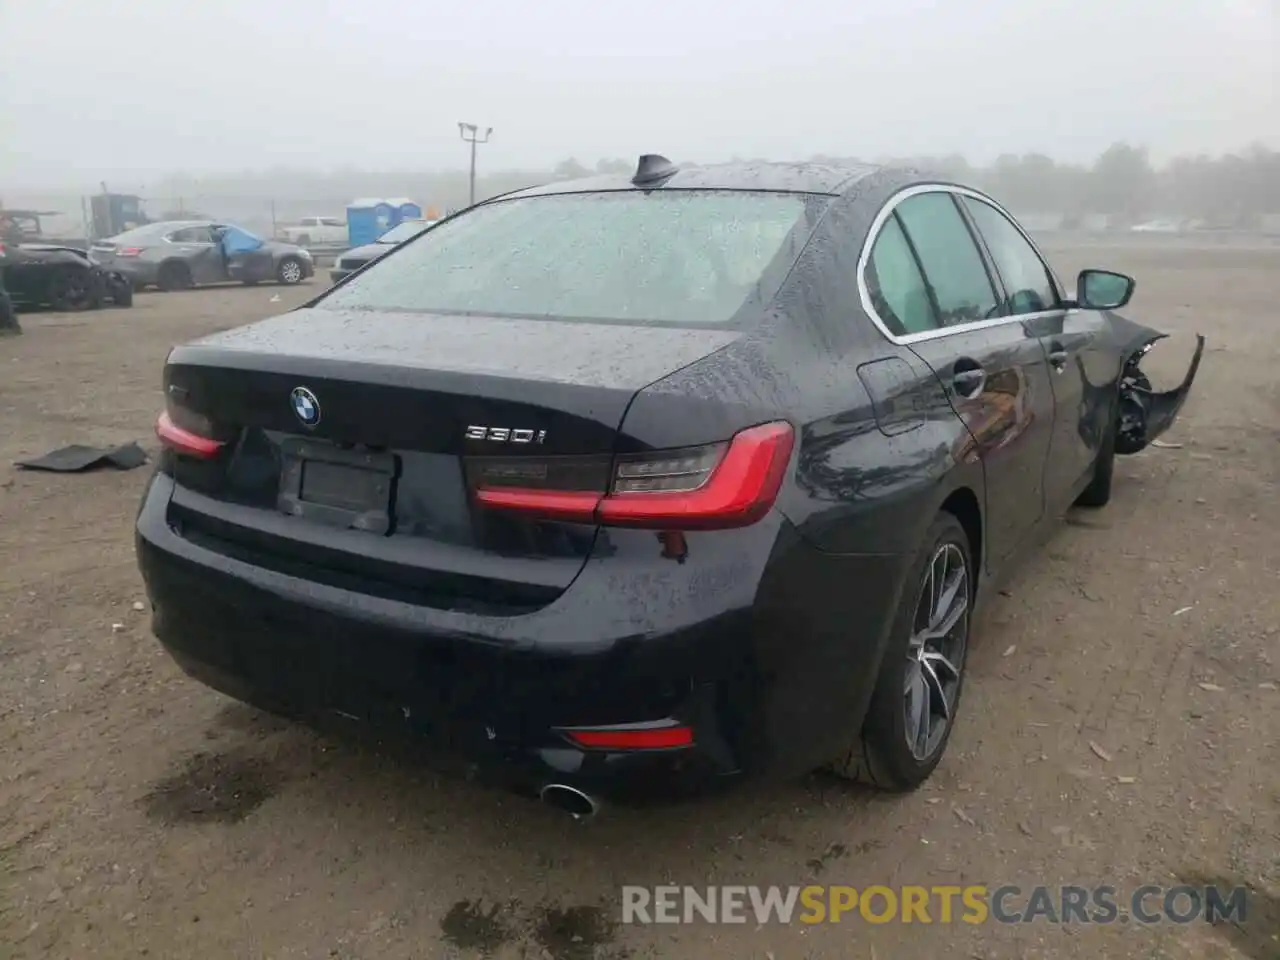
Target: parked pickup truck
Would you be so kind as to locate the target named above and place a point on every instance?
(320, 230)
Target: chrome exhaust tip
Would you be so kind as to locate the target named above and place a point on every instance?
(571, 800)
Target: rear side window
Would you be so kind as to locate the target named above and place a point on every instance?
(1026, 278)
(681, 257)
(192, 235)
(949, 257)
(897, 288)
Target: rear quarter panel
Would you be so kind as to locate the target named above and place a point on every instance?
(879, 449)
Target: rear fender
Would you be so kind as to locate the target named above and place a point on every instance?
(1143, 414)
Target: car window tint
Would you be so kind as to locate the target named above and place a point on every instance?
(1026, 278)
(950, 258)
(663, 257)
(896, 286)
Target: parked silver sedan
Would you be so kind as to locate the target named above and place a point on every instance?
(178, 254)
(355, 258)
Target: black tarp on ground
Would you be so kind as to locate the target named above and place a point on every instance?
(78, 458)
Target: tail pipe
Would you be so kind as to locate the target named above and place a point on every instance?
(571, 800)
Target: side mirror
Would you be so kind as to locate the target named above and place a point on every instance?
(1103, 290)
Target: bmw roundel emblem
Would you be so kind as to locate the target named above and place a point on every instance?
(305, 406)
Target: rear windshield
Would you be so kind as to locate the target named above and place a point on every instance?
(681, 257)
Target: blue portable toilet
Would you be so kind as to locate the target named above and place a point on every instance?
(405, 209)
(368, 219)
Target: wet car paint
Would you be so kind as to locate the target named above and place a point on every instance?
(768, 637)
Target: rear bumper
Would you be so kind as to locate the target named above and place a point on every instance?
(769, 679)
(335, 274)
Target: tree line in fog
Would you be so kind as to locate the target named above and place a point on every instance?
(1234, 190)
(1239, 190)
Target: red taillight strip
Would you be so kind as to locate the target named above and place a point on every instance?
(567, 505)
(184, 441)
(632, 738)
(740, 491)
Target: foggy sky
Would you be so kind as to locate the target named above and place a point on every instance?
(134, 88)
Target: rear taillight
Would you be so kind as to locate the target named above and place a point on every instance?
(712, 487)
(181, 439)
(129, 252)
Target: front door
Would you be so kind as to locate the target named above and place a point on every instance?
(252, 265)
(1073, 344)
(248, 259)
(993, 370)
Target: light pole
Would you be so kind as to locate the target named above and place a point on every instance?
(471, 134)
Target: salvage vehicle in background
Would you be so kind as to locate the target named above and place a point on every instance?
(355, 258)
(645, 483)
(63, 278)
(324, 231)
(175, 255)
(8, 318)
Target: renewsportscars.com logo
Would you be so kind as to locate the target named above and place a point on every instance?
(974, 904)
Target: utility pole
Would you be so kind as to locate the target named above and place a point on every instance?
(470, 133)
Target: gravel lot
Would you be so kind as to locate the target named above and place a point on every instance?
(1121, 723)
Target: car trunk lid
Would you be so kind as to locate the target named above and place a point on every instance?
(352, 443)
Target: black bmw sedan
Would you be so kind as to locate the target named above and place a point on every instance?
(642, 483)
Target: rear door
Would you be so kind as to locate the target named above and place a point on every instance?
(1073, 344)
(994, 372)
(197, 248)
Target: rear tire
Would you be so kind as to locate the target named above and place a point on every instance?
(174, 275)
(883, 755)
(290, 271)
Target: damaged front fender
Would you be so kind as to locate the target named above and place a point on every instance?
(1143, 414)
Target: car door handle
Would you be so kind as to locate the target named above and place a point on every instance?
(1058, 356)
(968, 377)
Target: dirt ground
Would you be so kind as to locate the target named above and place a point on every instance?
(1121, 724)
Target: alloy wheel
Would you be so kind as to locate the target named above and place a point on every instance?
(935, 653)
(290, 272)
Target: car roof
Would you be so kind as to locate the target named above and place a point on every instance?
(827, 177)
(181, 224)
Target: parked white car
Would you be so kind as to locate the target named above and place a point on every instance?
(309, 230)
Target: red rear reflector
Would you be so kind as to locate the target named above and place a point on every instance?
(184, 441)
(711, 488)
(129, 252)
(643, 738)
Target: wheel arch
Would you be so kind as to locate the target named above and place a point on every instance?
(963, 504)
